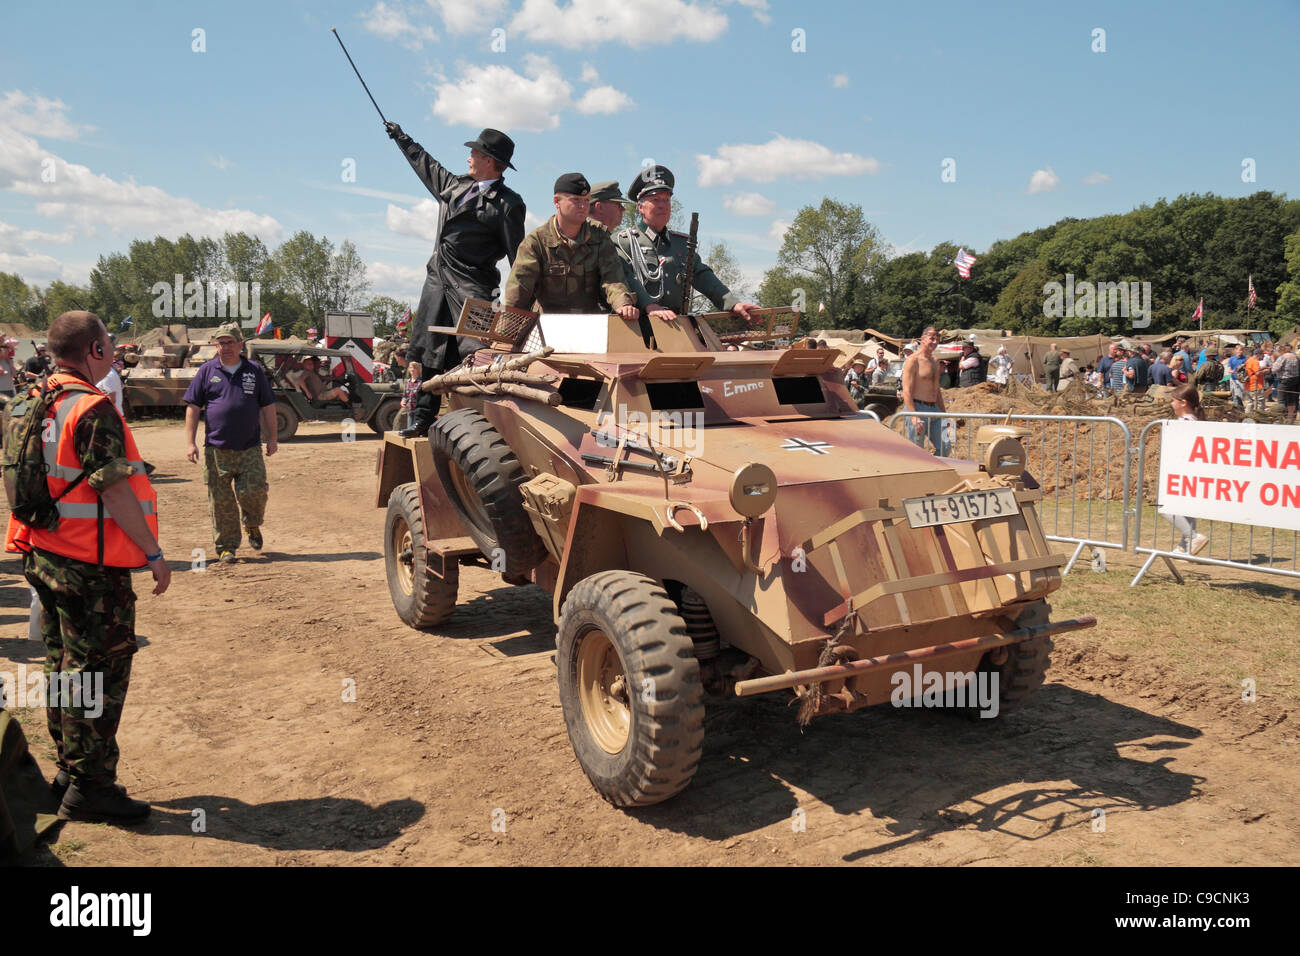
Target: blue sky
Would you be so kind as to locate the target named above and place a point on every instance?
(144, 135)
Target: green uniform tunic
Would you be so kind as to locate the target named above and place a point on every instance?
(655, 267)
(558, 274)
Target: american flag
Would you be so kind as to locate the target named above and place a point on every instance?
(1200, 310)
(963, 261)
(1250, 292)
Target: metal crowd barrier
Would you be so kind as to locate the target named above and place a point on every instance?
(1104, 504)
(1081, 461)
(1235, 543)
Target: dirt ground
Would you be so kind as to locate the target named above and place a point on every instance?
(455, 752)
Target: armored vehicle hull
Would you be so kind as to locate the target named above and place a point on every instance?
(717, 522)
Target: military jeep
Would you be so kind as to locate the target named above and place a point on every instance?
(715, 522)
(375, 405)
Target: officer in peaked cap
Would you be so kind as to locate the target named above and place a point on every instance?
(607, 205)
(480, 222)
(654, 258)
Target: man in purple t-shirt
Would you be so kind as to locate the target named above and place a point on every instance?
(239, 404)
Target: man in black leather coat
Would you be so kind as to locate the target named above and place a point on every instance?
(480, 222)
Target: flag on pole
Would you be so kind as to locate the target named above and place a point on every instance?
(263, 325)
(125, 323)
(963, 261)
(405, 320)
(311, 333)
(821, 307)
(1251, 298)
(1199, 314)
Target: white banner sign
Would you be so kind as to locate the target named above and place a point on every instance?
(1228, 471)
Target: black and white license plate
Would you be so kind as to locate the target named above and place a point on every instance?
(966, 506)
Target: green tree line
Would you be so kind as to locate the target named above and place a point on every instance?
(137, 290)
(1192, 248)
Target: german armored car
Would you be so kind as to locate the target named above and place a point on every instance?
(711, 521)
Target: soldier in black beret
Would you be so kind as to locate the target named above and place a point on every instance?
(655, 258)
(480, 222)
(568, 264)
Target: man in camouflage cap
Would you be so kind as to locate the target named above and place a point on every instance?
(655, 257)
(607, 205)
(567, 264)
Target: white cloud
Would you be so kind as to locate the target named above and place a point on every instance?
(499, 97)
(748, 204)
(32, 266)
(587, 23)
(421, 220)
(39, 116)
(777, 230)
(779, 158)
(1096, 179)
(589, 74)
(463, 16)
(758, 8)
(401, 282)
(1043, 181)
(393, 23)
(603, 99)
(531, 221)
(75, 196)
(840, 81)
(221, 162)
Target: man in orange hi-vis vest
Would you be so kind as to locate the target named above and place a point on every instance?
(81, 570)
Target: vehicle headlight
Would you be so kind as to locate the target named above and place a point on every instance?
(753, 489)
(1006, 456)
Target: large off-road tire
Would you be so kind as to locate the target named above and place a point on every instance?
(630, 688)
(383, 418)
(422, 599)
(481, 476)
(286, 421)
(1025, 668)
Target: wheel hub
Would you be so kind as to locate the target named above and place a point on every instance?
(405, 556)
(603, 691)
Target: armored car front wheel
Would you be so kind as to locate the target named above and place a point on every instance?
(1020, 669)
(420, 597)
(630, 688)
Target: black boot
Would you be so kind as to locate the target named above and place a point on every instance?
(107, 803)
(418, 423)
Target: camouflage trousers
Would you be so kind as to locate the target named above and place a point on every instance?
(246, 472)
(88, 624)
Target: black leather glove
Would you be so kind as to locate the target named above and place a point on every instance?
(395, 131)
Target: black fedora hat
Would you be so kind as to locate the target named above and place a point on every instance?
(496, 144)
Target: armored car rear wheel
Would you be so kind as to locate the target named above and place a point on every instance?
(421, 598)
(630, 688)
(481, 476)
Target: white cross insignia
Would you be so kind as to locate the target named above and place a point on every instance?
(798, 444)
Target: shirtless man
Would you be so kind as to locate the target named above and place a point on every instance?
(921, 394)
